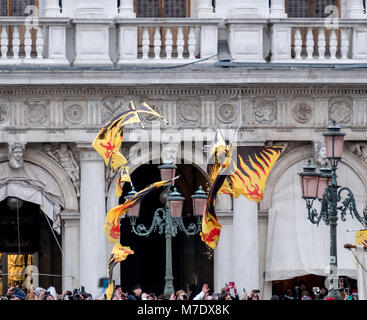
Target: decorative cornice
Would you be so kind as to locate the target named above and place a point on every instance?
(167, 90)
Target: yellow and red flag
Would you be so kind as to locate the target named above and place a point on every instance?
(119, 253)
(112, 224)
(241, 170)
(124, 176)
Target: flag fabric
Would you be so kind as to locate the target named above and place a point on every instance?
(109, 139)
(119, 253)
(361, 238)
(112, 225)
(124, 176)
(235, 170)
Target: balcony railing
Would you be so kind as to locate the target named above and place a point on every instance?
(64, 41)
(314, 40)
(39, 41)
(167, 40)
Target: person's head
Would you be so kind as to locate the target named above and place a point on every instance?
(48, 297)
(193, 288)
(118, 290)
(137, 290)
(255, 297)
(302, 286)
(30, 296)
(144, 296)
(323, 291)
(289, 292)
(181, 295)
(226, 296)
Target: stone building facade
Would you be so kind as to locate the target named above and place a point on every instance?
(91, 64)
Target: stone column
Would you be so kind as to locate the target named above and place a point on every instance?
(52, 8)
(205, 9)
(71, 250)
(93, 241)
(277, 9)
(223, 253)
(355, 10)
(245, 248)
(126, 9)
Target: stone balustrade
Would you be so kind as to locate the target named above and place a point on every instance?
(167, 40)
(38, 41)
(124, 41)
(319, 41)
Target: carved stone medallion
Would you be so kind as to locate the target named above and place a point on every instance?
(227, 113)
(3, 113)
(74, 113)
(38, 111)
(340, 111)
(265, 112)
(189, 111)
(302, 112)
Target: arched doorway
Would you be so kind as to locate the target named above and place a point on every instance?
(27, 240)
(147, 266)
(298, 251)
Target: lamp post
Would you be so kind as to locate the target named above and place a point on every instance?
(323, 186)
(168, 220)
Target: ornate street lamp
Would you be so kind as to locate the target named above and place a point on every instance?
(323, 186)
(168, 220)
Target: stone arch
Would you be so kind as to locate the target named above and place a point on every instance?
(38, 158)
(112, 200)
(303, 153)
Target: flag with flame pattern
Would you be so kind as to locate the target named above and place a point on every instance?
(235, 170)
(118, 254)
(112, 225)
(124, 176)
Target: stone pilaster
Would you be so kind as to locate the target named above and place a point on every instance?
(71, 250)
(223, 253)
(93, 241)
(245, 246)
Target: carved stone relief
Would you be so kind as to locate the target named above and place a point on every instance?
(320, 154)
(15, 154)
(340, 111)
(3, 113)
(227, 113)
(265, 111)
(189, 112)
(66, 158)
(111, 106)
(74, 113)
(359, 149)
(302, 112)
(37, 111)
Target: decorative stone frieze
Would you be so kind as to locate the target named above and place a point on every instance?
(340, 110)
(111, 107)
(189, 112)
(3, 113)
(265, 111)
(227, 113)
(74, 113)
(302, 112)
(38, 111)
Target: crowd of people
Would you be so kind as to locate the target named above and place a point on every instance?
(229, 292)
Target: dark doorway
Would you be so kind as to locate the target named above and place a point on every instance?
(33, 244)
(147, 266)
